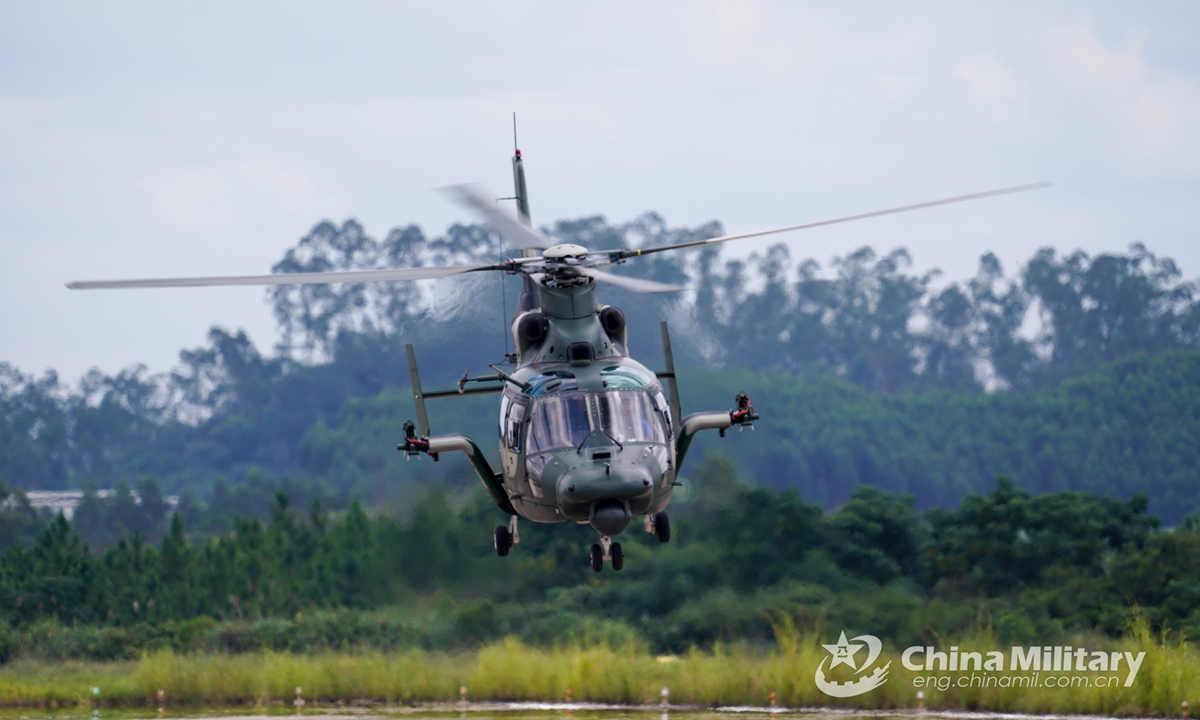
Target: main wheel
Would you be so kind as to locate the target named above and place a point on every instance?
(502, 540)
(662, 527)
(597, 558)
(618, 556)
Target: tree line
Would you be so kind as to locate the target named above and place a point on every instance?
(863, 343)
(1027, 567)
(866, 317)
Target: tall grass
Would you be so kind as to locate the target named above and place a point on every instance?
(510, 670)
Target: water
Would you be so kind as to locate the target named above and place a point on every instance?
(495, 711)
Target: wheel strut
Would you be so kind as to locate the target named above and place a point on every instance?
(658, 525)
(606, 551)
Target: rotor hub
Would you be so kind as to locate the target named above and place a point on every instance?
(565, 251)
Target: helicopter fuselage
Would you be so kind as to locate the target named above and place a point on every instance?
(587, 442)
(586, 433)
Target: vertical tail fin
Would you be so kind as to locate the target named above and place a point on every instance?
(529, 299)
(519, 189)
(418, 394)
(669, 375)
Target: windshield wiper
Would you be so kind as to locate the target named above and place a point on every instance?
(610, 437)
(589, 435)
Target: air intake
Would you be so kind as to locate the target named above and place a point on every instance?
(579, 353)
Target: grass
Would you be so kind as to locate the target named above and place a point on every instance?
(512, 671)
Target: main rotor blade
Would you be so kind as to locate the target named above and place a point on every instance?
(848, 218)
(315, 278)
(629, 283)
(512, 230)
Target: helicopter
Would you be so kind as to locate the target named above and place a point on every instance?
(586, 433)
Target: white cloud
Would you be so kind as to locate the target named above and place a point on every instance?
(1149, 116)
(995, 87)
(139, 141)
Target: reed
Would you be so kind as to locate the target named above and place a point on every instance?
(62, 684)
(612, 673)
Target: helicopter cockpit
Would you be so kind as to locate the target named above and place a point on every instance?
(629, 408)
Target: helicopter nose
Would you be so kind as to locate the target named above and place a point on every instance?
(604, 491)
(604, 481)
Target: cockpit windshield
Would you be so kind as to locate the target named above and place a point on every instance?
(559, 421)
(629, 416)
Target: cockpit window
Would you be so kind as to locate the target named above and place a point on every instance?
(504, 405)
(629, 416)
(559, 421)
(622, 376)
(512, 433)
(660, 402)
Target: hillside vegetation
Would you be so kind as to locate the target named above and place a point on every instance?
(865, 373)
(924, 467)
(1029, 568)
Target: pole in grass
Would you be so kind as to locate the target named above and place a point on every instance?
(570, 711)
(299, 701)
(920, 700)
(96, 703)
(1183, 709)
(772, 698)
(666, 693)
(161, 695)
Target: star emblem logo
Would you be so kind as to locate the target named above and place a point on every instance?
(843, 652)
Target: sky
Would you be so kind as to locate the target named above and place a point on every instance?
(150, 139)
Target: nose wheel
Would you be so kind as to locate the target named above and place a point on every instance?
(608, 550)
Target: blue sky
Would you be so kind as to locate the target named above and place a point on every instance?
(187, 138)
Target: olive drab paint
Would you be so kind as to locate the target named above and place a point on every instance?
(586, 433)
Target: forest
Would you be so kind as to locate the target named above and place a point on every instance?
(1017, 453)
(1027, 568)
(1071, 373)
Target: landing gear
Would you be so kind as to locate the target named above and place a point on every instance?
(505, 537)
(502, 540)
(606, 549)
(662, 527)
(659, 525)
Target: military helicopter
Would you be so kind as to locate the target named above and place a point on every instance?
(586, 433)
